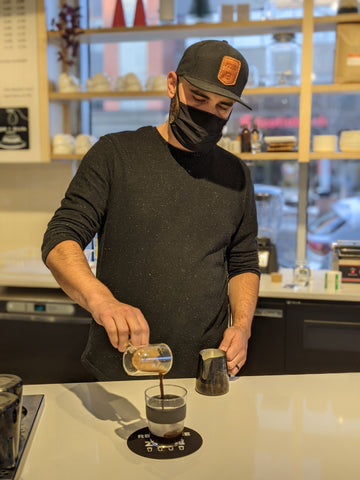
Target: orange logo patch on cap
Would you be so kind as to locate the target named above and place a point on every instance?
(229, 70)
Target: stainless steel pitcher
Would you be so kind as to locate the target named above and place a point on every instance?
(212, 377)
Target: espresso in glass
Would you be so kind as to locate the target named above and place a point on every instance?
(166, 411)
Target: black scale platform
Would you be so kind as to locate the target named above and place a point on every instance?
(143, 443)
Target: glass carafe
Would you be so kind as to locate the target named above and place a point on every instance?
(147, 359)
(283, 60)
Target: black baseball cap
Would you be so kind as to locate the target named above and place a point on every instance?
(216, 67)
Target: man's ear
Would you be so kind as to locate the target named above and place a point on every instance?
(171, 84)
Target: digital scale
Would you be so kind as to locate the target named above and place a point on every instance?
(346, 259)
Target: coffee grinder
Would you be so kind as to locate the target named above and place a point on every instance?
(269, 205)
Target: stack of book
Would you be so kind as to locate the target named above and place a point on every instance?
(286, 143)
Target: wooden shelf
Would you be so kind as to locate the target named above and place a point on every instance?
(337, 88)
(306, 25)
(324, 24)
(281, 90)
(244, 156)
(335, 155)
(145, 95)
(222, 29)
(268, 156)
(68, 156)
(183, 31)
(264, 156)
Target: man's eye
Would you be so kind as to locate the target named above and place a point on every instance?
(224, 108)
(199, 99)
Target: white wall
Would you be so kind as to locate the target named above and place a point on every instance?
(29, 195)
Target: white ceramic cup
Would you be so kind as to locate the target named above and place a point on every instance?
(324, 143)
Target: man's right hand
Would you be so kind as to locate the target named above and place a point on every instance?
(123, 323)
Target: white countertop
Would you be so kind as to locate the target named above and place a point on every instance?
(44, 286)
(314, 291)
(304, 427)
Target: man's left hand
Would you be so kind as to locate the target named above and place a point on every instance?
(235, 344)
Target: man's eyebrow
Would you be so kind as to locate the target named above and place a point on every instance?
(203, 94)
(200, 93)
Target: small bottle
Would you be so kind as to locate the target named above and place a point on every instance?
(245, 139)
(147, 359)
(302, 273)
(255, 140)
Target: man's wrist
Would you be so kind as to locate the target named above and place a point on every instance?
(245, 329)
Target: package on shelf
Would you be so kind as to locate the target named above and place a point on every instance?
(347, 54)
(227, 13)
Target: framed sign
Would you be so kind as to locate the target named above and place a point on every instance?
(22, 111)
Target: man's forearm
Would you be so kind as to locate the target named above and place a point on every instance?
(243, 294)
(71, 270)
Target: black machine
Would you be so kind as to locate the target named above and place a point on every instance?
(267, 255)
(269, 203)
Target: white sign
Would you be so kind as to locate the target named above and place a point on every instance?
(19, 86)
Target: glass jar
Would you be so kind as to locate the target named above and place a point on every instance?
(302, 273)
(283, 60)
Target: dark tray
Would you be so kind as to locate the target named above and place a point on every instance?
(31, 409)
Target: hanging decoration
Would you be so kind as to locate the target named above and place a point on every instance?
(68, 24)
(140, 18)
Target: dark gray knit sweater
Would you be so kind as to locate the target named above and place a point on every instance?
(173, 227)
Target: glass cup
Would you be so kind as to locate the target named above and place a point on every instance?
(147, 359)
(166, 413)
(301, 273)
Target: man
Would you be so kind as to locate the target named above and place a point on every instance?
(176, 221)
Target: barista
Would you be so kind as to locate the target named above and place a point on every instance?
(176, 221)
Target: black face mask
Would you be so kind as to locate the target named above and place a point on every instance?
(195, 129)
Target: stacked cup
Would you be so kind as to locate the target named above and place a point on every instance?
(324, 143)
(10, 419)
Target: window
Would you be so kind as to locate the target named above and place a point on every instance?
(331, 181)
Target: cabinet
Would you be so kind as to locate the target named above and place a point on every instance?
(43, 347)
(266, 348)
(322, 337)
(303, 336)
